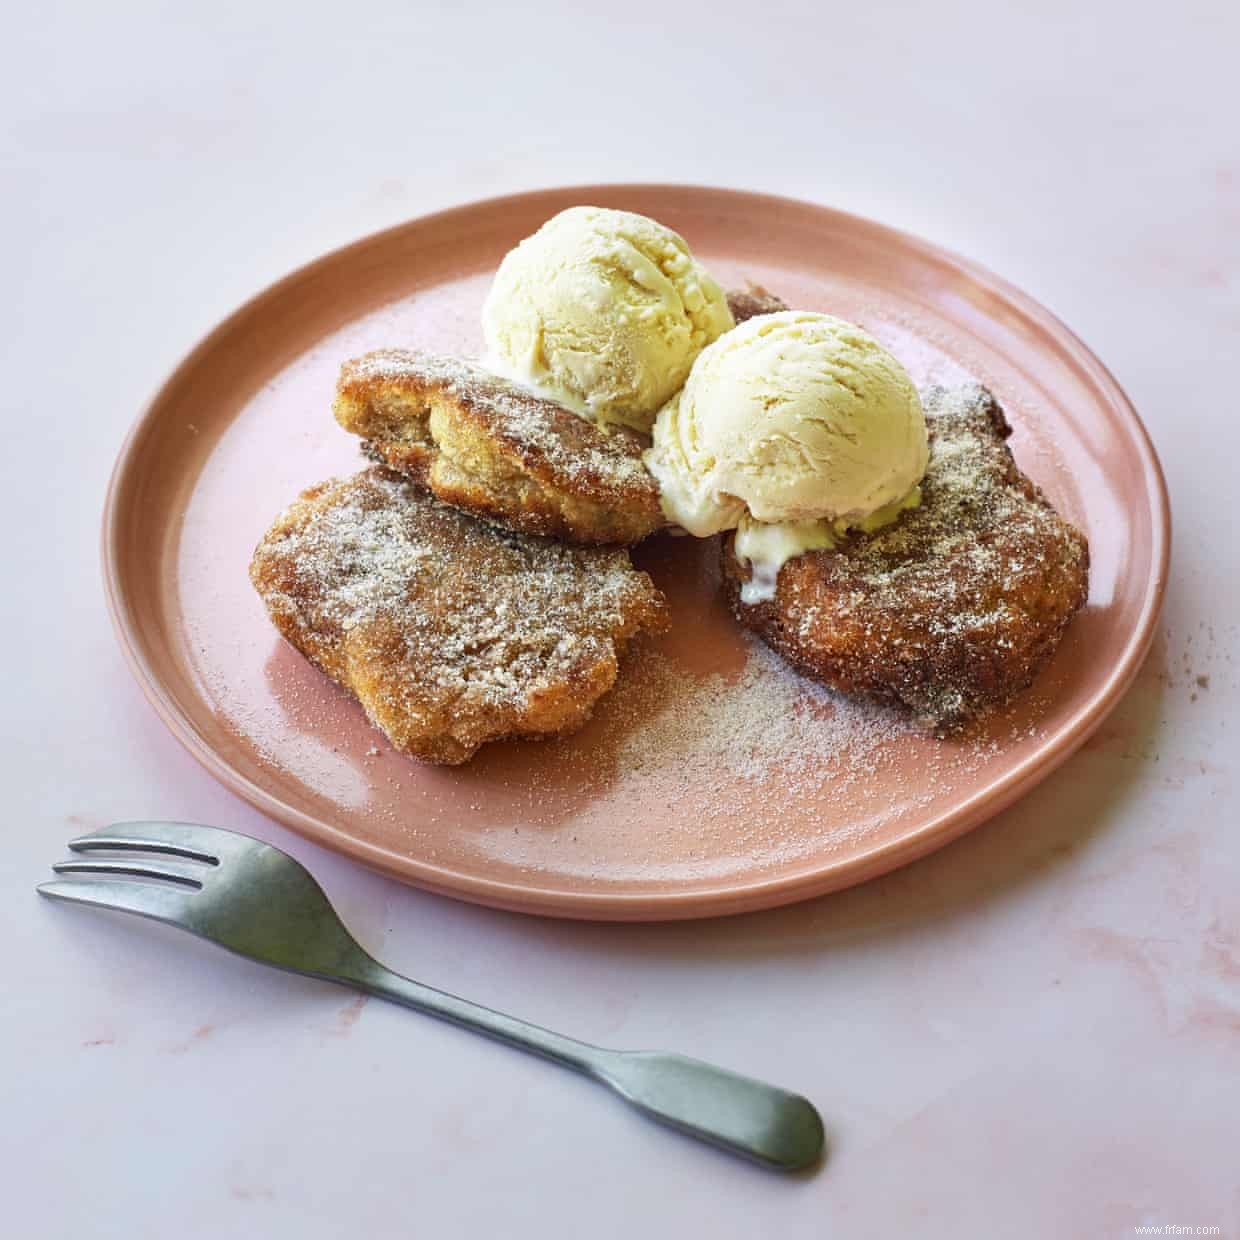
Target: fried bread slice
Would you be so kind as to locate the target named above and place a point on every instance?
(953, 608)
(493, 449)
(448, 631)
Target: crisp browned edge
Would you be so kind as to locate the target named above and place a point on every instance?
(698, 903)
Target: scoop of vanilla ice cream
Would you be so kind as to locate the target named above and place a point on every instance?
(790, 418)
(604, 311)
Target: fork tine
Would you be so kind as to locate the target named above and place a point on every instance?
(186, 875)
(145, 899)
(179, 839)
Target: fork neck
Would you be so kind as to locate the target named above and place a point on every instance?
(377, 979)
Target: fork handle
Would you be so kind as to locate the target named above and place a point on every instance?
(735, 1112)
(377, 979)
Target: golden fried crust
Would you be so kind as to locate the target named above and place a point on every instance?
(486, 446)
(748, 303)
(450, 632)
(952, 609)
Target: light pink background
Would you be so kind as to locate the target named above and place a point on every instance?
(1035, 1032)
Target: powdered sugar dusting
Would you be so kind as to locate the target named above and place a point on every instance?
(449, 632)
(765, 725)
(375, 552)
(697, 777)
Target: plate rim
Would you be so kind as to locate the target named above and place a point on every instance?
(729, 898)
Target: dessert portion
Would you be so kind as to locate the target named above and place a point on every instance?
(603, 311)
(950, 609)
(790, 428)
(475, 586)
(495, 450)
(449, 632)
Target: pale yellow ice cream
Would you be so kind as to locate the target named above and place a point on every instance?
(793, 427)
(768, 545)
(604, 311)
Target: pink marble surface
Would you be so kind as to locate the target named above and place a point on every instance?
(1034, 1032)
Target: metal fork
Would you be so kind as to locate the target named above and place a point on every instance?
(259, 902)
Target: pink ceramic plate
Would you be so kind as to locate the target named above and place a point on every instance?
(712, 780)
